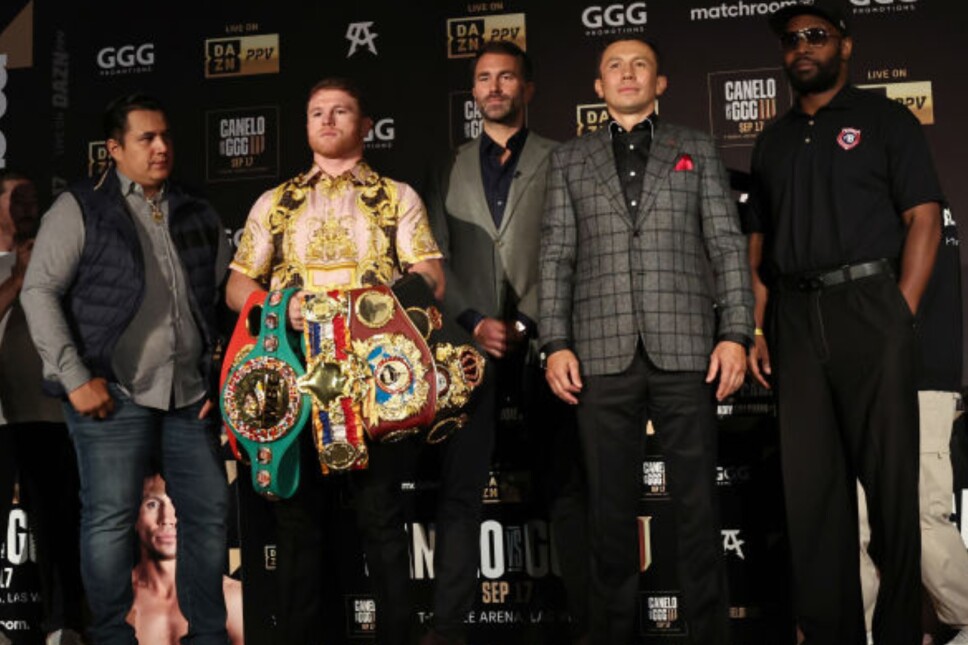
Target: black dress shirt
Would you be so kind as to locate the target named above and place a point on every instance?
(631, 150)
(497, 176)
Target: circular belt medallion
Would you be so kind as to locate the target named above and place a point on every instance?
(339, 455)
(262, 401)
(374, 309)
(399, 374)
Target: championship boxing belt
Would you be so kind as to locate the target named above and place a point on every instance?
(458, 365)
(368, 369)
(337, 381)
(263, 404)
(241, 343)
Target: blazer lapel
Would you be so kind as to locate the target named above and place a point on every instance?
(523, 174)
(469, 167)
(602, 158)
(662, 154)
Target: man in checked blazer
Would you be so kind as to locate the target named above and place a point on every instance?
(645, 302)
(486, 211)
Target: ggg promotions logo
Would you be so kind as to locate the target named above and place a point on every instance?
(916, 95)
(98, 159)
(614, 19)
(242, 143)
(466, 35)
(743, 102)
(882, 6)
(591, 117)
(466, 121)
(381, 135)
(126, 59)
(242, 55)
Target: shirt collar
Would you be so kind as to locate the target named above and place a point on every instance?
(360, 171)
(648, 123)
(515, 143)
(129, 186)
(842, 100)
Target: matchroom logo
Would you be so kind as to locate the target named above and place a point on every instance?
(743, 102)
(242, 55)
(242, 143)
(916, 95)
(466, 35)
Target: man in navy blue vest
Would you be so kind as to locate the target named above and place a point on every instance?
(120, 297)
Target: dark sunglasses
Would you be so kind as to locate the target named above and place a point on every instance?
(813, 36)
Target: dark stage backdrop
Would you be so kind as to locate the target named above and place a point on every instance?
(234, 77)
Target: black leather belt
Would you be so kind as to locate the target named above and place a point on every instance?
(820, 280)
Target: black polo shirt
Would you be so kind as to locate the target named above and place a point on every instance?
(829, 189)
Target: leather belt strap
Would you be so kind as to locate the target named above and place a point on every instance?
(814, 281)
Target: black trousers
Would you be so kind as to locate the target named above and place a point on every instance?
(465, 460)
(844, 365)
(42, 455)
(308, 553)
(547, 445)
(612, 415)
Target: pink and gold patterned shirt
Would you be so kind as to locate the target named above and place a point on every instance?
(320, 232)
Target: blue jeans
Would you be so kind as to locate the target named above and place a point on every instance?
(113, 457)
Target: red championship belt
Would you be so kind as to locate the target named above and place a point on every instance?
(241, 343)
(404, 399)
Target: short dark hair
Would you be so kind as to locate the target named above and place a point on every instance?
(347, 85)
(8, 174)
(116, 113)
(507, 48)
(608, 42)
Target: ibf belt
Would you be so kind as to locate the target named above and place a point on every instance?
(338, 382)
(263, 404)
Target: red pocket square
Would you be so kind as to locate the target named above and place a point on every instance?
(684, 163)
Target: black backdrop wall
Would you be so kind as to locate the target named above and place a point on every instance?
(234, 77)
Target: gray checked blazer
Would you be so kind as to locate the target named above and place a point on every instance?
(493, 270)
(676, 274)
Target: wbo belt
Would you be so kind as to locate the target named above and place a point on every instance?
(814, 281)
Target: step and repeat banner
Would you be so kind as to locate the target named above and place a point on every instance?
(235, 80)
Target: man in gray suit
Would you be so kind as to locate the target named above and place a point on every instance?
(645, 301)
(485, 211)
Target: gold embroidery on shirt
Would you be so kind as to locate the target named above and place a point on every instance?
(331, 243)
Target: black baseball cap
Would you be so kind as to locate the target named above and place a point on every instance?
(830, 10)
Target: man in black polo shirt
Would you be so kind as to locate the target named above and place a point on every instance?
(845, 216)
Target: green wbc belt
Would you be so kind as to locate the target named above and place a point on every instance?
(262, 402)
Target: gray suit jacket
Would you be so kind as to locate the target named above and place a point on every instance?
(665, 276)
(489, 269)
